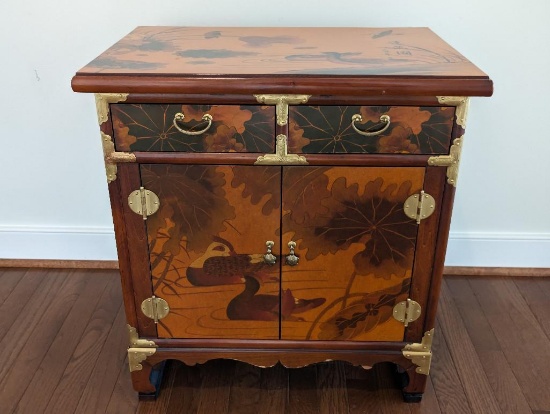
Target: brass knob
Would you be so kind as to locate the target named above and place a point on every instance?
(292, 259)
(269, 257)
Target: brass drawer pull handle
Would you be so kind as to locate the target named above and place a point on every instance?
(269, 257)
(292, 259)
(179, 117)
(385, 119)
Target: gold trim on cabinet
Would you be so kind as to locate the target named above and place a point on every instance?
(407, 311)
(281, 156)
(451, 161)
(143, 202)
(461, 102)
(102, 101)
(421, 353)
(155, 308)
(112, 157)
(419, 206)
(282, 102)
(136, 342)
(137, 355)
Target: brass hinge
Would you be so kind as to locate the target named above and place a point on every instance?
(420, 353)
(451, 161)
(155, 308)
(143, 202)
(407, 311)
(419, 206)
(281, 103)
(281, 156)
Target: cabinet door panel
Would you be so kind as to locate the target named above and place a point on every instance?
(356, 248)
(207, 243)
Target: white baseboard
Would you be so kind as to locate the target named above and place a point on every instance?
(498, 250)
(98, 243)
(57, 243)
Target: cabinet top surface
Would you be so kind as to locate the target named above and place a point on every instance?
(188, 53)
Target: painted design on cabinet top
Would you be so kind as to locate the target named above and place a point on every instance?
(253, 51)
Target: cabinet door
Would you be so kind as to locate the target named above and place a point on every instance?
(355, 247)
(207, 244)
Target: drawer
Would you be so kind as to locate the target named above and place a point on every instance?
(410, 130)
(202, 128)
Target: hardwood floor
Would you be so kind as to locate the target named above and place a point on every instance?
(63, 340)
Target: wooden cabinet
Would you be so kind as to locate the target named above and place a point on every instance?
(278, 197)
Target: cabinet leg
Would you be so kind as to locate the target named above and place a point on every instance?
(147, 380)
(413, 384)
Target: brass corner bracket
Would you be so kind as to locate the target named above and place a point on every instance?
(102, 101)
(281, 156)
(281, 102)
(461, 102)
(112, 157)
(136, 342)
(139, 349)
(451, 161)
(137, 355)
(421, 353)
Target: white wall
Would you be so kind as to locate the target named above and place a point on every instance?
(54, 201)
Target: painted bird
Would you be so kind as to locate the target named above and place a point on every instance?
(250, 306)
(221, 265)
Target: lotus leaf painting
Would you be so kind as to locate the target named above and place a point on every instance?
(208, 240)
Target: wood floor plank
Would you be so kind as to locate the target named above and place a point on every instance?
(504, 384)
(274, 390)
(363, 390)
(388, 394)
(331, 388)
(160, 405)
(492, 328)
(27, 320)
(302, 393)
(216, 387)
(9, 279)
(429, 404)
(474, 380)
(124, 400)
(14, 383)
(245, 389)
(524, 344)
(18, 298)
(445, 379)
(46, 378)
(102, 381)
(77, 372)
(536, 293)
(187, 385)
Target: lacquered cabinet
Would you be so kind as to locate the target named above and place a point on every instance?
(276, 201)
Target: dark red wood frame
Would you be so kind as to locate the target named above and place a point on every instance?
(136, 279)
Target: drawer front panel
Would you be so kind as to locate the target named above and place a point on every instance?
(411, 130)
(356, 249)
(207, 243)
(234, 128)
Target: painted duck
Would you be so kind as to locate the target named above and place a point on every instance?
(221, 265)
(250, 306)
